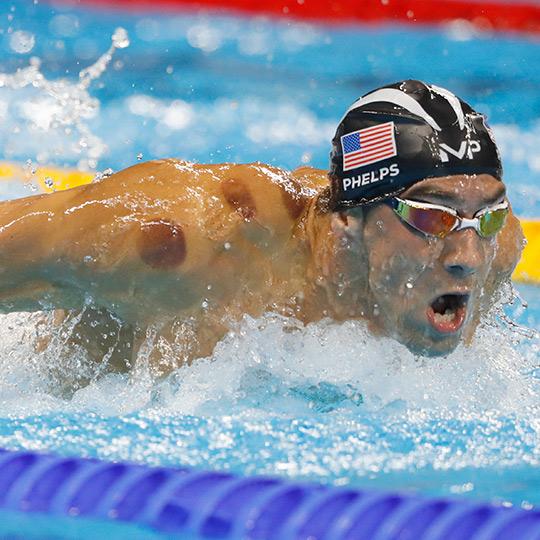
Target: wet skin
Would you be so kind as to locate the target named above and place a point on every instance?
(410, 270)
(189, 249)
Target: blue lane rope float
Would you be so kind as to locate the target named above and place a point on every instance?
(213, 505)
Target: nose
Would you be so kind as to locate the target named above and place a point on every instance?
(463, 254)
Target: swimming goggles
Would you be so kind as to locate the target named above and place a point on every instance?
(440, 221)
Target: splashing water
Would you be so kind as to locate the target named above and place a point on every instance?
(325, 401)
(57, 111)
(322, 401)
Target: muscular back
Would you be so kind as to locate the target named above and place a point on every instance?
(160, 239)
(187, 248)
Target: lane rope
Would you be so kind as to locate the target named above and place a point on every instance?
(183, 503)
(486, 15)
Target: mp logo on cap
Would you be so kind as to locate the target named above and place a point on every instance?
(466, 147)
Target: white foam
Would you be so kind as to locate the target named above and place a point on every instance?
(325, 402)
(279, 362)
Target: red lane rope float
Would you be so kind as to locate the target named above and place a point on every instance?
(488, 15)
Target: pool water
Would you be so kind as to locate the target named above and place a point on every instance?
(325, 402)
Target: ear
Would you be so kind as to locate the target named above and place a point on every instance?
(348, 223)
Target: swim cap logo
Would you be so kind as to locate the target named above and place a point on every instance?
(369, 145)
(466, 147)
(399, 134)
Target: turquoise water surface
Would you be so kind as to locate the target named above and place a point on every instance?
(325, 402)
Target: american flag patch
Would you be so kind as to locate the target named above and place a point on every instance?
(368, 146)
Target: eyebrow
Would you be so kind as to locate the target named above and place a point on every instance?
(437, 194)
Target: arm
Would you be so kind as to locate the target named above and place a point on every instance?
(48, 244)
(118, 242)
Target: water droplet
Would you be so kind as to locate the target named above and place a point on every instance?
(120, 38)
(227, 245)
(139, 156)
(49, 182)
(21, 41)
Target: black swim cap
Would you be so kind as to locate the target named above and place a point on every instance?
(400, 134)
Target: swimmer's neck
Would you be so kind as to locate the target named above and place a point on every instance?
(334, 273)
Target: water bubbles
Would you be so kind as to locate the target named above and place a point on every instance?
(462, 30)
(101, 175)
(31, 186)
(204, 37)
(176, 115)
(119, 41)
(61, 108)
(22, 41)
(257, 41)
(147, 29)
(289, 124)
(64, 25)
(120, 38)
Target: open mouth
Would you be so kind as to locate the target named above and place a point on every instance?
(448, 312)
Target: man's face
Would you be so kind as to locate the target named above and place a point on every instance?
(425, 288)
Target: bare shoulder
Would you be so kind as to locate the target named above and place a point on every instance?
(254, 192)
(315, 178)
(180, 174)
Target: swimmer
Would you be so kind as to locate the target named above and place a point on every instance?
(410, 231)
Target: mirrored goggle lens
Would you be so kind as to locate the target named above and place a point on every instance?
(428, 220)
(492, 222)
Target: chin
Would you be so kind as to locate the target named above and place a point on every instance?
(428, 346)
